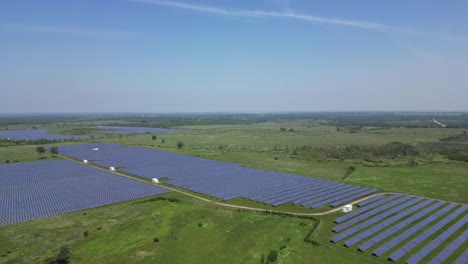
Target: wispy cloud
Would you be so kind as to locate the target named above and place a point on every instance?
(264, 14)
(69, 31)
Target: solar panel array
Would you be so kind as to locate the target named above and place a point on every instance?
(380, 218)
(133, 130)
(219, 179)
(463, 259)
(35, 134)
(41, 189)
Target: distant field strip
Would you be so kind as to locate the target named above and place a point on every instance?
(383, 223)
(133, 130)
(222, 180)
(42, 189)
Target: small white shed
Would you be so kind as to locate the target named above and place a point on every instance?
(154, 180)
(347, 208)
(85, 161)
(111, 168)
(94, 149)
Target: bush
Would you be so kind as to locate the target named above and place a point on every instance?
(273, 256)
(156, 239)
(85, 233)
(64, 254)
(180, 144)
(7, 161)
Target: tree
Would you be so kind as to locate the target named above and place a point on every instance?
(54, 151)
(180, 144)
(163, 140)
(154, 137)
(40, 150)
(64, 254)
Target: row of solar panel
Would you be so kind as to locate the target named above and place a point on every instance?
(393, 211)
(223, 180)
(41, 189)
(35, 134)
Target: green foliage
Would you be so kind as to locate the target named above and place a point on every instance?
(462, 137)
(156, 239)
(54, 151)
(64, 254)
(40, 150)
(349, 171)
(180, 144)
(153, 137)
(273, 255)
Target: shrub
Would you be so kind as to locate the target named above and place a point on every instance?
(156, 239)
(273, 256)
(7, 161)
(85, 233)
(64, 254)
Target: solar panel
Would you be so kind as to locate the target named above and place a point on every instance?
(375, 219)
(386, 223)
(419, 239)
(367, 208)
(370, 243)
(223, 180)
(407, 233)
(344, 198)
(416, 258)
(371, 200)
(368, 214)
(35, 134)
(442, 256)
(463, 258)
(33, 190)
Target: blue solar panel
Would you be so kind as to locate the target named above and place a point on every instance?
(463, 258)
(367, 208)
(371, 200)
(327, 195)
(374, 220)
(41, 189)
(366, 215)
(407, 233)
(35, 134)
(419, 239)
(442, 256)
(386, 223)
(416, 258)
(370, 243)
(223, 180)
(347, 197)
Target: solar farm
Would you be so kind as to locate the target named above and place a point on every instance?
(405, 227)
(222, 180)
(35, 134)
(47, 188)
(384, 227)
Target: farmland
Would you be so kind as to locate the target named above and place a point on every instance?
(225, 163)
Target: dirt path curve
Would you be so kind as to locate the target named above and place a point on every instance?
(219, 203)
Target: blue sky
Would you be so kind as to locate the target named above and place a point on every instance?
(249, 55)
